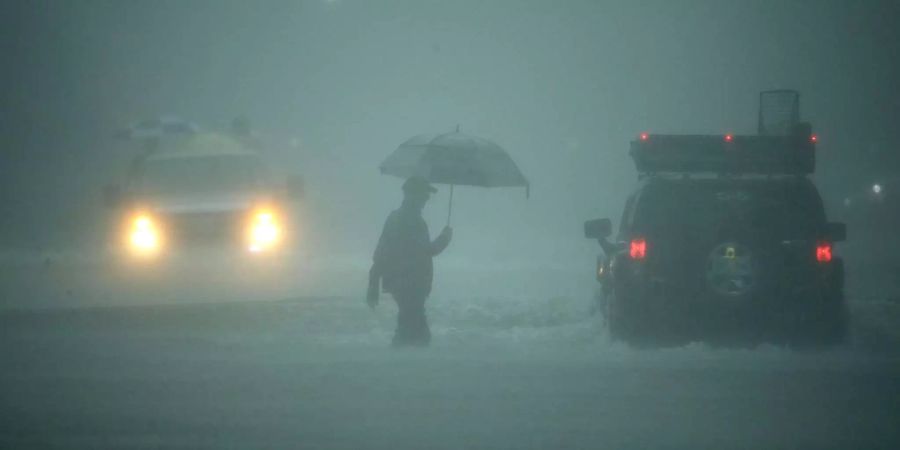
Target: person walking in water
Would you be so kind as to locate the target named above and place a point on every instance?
(402, 263)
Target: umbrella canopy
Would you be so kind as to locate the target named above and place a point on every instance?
(456, 159)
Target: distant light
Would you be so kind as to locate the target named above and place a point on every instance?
(876, 188)
(823, 252)
(645, 136)
(729, 137)
(814, 139)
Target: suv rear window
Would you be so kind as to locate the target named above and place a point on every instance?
(783, 210)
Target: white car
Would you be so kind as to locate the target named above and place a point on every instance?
(205, 192)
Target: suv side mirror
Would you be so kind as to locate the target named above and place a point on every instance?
(836, 231)
(112, 196)
(295, 187)
(598, 229)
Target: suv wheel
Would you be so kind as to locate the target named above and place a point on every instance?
(820, 325)
(619, 322)
(629, 320)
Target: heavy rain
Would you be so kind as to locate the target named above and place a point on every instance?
(403, 224)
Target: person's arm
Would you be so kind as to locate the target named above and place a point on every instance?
(378, 262)
(374, 287)
(442, 241)
(386, 242)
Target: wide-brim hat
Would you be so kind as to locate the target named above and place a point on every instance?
(418, 185)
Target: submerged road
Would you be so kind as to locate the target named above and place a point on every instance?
(317, 373)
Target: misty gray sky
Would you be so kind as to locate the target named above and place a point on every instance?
(563, 86)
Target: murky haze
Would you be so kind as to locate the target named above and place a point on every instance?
(563, 87)
(292, 357)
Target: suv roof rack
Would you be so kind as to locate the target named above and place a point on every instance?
(783, 145)
(725, 154)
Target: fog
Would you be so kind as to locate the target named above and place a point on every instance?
(562, 87)
(333, 87)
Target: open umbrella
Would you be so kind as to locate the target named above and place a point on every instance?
(456, 159)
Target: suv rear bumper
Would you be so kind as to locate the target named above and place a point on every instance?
(658, 303)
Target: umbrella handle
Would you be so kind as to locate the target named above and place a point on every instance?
(450, 206)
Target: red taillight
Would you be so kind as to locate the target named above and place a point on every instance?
(814, 139)
(729, 137)
(638, 248)
(823, 252)
(644, 136)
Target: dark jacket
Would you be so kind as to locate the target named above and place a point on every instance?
(403, 256)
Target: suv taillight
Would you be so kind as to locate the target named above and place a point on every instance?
(823, 252)
(638, 248)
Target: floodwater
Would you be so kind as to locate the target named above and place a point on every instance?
(314, 370)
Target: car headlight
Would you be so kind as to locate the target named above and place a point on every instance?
(144, 236)
(264, 231)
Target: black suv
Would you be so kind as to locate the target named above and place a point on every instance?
(725, 240)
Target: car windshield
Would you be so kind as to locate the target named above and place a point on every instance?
(783, 210)
(201, 175)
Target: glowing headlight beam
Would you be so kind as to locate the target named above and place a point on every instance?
(264, 232)
(144, 237)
